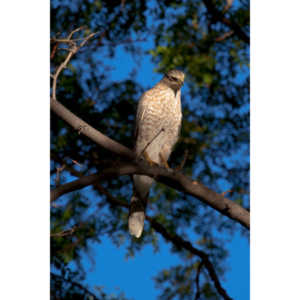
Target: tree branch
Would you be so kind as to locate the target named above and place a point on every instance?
(64, 232)
(181, 243)
(87, 130)
(224, 36)
(74, 48)
(197, 295)
(78, 285)
(84, 181)
(170, 178)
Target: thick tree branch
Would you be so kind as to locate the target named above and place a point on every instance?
(87, 130)
(84, 181)
(218, 15)
(171, 178)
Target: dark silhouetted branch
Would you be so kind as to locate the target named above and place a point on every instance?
(181, 243)
(219, 16)
(84, 181)
(76, 284)
(198, 292)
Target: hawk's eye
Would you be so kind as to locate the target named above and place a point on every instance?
(173, 78)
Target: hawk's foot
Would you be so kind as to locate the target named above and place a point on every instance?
(149, 160)
(164, 161)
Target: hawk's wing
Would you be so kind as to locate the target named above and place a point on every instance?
(146, 112)
(141, 109)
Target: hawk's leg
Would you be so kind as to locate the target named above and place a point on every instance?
(163, 161)
(148, 159)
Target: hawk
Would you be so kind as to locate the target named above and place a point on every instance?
(157, 128)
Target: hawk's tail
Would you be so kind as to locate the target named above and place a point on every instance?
(138, 203)
(136, 216)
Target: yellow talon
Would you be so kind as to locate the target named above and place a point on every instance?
(148, 159)
(164, 161)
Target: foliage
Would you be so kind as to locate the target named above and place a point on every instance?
(215, 129)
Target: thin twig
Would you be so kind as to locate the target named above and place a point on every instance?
(224, 36)
(68, 167)
(228, 5)
(73, 50)
(185, 156)
(60, 68)
(58, 171)
(64, 232)
(76, 163)
(53, 51)
(198, 292)
(74, 31)
(66, 40)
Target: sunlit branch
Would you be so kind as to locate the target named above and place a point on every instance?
(87, 130)
(74, 48)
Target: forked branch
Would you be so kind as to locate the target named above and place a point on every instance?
(73, 48)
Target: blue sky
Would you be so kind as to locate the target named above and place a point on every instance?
(134, 276)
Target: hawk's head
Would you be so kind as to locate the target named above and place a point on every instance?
(174, 79)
